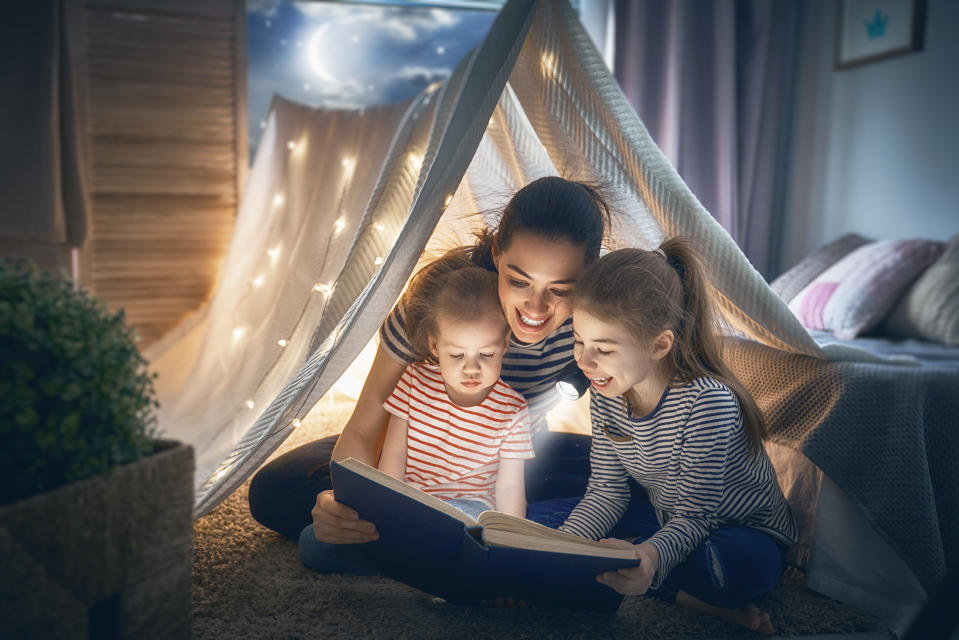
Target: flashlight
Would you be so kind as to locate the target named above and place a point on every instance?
(572, 383)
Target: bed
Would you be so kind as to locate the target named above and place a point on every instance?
(866, 451)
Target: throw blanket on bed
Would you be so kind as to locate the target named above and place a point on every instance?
(887, 435)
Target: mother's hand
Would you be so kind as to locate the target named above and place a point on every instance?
(336, 523)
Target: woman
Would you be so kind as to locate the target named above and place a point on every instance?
(548, 233)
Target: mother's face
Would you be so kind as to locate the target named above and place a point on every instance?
(536, 279)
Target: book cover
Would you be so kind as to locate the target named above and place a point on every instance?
(432, 546)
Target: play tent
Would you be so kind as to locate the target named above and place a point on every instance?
(340, 206)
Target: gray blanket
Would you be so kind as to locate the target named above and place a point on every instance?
(886, 434)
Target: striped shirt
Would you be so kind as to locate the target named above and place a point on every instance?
(691, 454)
(454, 451)
(531, 369)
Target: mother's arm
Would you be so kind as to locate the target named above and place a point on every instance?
(362, 438)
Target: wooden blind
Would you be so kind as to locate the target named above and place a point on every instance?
(167, 151)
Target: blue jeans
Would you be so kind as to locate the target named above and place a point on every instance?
(324, 557)
(733, 566)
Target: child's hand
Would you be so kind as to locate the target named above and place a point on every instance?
(632, 581)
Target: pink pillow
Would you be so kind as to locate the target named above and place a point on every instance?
(855, 293)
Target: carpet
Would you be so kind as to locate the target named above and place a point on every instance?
(248, 583)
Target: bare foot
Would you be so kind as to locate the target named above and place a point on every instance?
(749, 615)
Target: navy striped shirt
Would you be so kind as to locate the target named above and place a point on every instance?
(691, 454)
(531, 369)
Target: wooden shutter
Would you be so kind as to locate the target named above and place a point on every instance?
(167, 151)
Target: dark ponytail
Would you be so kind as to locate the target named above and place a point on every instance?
(554, 208)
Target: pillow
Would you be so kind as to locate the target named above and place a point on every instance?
(929, 309)
(787, 285)
(854, 294)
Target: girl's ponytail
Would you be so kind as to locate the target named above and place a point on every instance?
(652, 291)
(696, 346)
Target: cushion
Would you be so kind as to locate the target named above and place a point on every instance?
(793, 281)
(855, 293)
(929, 310)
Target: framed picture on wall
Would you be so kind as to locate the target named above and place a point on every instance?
(870, 30)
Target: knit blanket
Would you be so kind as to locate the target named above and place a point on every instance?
(884, 433)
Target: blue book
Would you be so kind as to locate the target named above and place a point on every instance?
(437, 548)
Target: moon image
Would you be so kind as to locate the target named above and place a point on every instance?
(316, 53)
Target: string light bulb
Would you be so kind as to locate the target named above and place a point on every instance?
(274, 253)
(448, 200)
(378, 226)
(378, 260)
(291, 145)
(325, 289)
(249, 404)
(238, 334)
(282, 342)
(278, 200)
(339, 225)
(296, 423)
(258, 281)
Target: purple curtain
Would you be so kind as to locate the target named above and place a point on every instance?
(712, 82)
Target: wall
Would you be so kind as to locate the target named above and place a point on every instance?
(875, 148)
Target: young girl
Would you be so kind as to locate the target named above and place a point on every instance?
(456, 431)
(667, 413)
(548, 233)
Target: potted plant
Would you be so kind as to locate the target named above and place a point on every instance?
(96, 527)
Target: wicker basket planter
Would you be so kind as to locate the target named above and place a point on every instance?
(106, 557)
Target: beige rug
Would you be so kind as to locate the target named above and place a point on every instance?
(248, 583)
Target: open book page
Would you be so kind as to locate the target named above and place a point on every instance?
(509, 531)
(410, 491)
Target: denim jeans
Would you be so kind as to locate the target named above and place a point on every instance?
(324, 557)
(733, 566)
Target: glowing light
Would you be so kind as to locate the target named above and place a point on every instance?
(491, 124)
(325, 289)
(278, 200)
(348, 163)
(296, 423)
(433, 87)
(282, 342)
(339, 225)
(299, 147)
(441, 49)
(258, 281)
(249, 404)
(238, 334)
(548, 62)
(274, 253)
(448, 200)
(378, 260)
(291, 145)
(219, 474)
(263, 124)
(414, 159)
(378, 226)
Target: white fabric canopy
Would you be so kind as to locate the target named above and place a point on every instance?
(340, 206)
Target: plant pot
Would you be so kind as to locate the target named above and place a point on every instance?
(107, 557)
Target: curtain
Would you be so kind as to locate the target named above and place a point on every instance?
(42, 179)
(712, 82)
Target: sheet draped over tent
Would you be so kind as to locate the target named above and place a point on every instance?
(341, 205)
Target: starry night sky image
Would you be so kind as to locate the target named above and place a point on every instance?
(341, 55)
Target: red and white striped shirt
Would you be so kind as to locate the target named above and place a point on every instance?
(454, 451)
